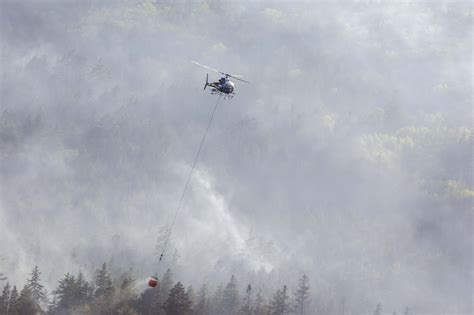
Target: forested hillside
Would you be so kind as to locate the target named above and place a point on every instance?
(347, 159)
(105, 294)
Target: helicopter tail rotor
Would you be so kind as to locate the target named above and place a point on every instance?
(207, 82)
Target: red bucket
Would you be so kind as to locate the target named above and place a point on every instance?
(152, 282)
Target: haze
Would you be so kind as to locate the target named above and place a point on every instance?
(348, 158)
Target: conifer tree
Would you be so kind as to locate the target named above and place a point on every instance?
(36, 288)
(71, 293)
(26, 303)
(230, 297)
(104, 292)
(84, 291)
(202, 302)
(103, 282)
(127, 287)
(163, 291)
(343, 306)
(217, 305)
(259, 308)
(177, 302)
(65, 293)
(167, 282)
(52, 306)
(13, 303)
(5, 299)
(279, 304)
(302, 298)
(247, 308)
(191, 294)
(147, 298)
(126, 294)
(378, 310)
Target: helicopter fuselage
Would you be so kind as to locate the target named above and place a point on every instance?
(223, 85)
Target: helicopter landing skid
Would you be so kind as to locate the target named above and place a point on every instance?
(226, 96)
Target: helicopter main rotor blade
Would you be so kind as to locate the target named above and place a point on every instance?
(209, 68)
(234, 77)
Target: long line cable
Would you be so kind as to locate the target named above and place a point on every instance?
(189, 178)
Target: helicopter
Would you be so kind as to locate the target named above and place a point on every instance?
(224, 86)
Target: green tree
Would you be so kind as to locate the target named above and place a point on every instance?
(202, 301)
(83, 290)
(279, 305)
(302, 298)
(378, 310)
(72, 294)
(247, 308)
(13, 307)
(177, 302)
(103, 282)
(145, 302)
(217, 305)
(230, 297)
(38, 295)
(191, 294)
(125, 295)
(104, 292)
(65, 293)
(5, 299)
(259, 308)
(52, 306)
(163, 291)
(26, 302)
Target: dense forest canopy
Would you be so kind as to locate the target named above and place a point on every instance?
(105, 294)
(348, 159)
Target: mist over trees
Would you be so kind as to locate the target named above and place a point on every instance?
(105, 294)
(348, 159)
